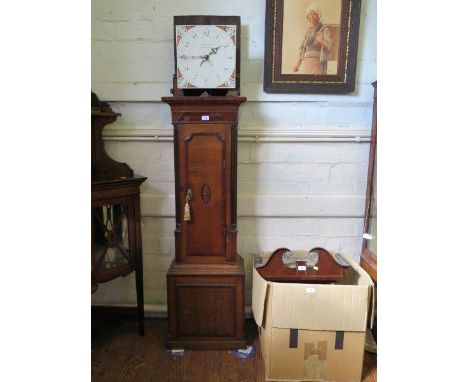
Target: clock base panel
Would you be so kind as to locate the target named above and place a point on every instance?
(206, 306)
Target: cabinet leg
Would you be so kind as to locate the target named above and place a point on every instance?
(140, 301)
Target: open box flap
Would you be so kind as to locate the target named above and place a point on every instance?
(259, 292)
(363, 278)
(315, 306)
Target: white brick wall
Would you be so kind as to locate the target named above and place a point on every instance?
(301, 170)
(133, 37)
(293, 194)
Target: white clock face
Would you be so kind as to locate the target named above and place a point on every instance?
(206, 56)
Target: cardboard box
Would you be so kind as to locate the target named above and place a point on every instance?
(313, 332)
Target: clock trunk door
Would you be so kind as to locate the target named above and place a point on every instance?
(203, 150)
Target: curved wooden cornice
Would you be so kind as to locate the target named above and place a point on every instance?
(104, 167)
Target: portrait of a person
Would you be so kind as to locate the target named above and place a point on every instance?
(316, 46)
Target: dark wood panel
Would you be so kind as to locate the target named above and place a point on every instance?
(369, 370)
(104, 167)
(372, 162)
(205, 311)
(225, 311)
(186, 311)
(203, 171)
(369, 263)
(206, 306)
(368, 259)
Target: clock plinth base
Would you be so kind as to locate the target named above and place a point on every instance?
(206, 306)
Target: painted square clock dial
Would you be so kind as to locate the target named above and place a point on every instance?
(207, 52)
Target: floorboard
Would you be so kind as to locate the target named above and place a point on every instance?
(118, 353)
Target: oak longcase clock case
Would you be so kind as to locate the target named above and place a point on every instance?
(206, 280)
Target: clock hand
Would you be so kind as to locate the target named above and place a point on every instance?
(206, 58)
(215, 50)
(184, 57)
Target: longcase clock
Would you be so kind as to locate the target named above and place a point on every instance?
(205, 283)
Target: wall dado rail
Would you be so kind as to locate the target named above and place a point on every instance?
(270, 206)
(246, 135)
(273, 206)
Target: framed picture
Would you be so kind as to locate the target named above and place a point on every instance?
(311, 46)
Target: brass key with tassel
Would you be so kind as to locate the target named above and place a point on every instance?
(188, 197)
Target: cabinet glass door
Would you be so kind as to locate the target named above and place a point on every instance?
(111, 246)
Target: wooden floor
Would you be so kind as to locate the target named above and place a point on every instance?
(119, 354)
